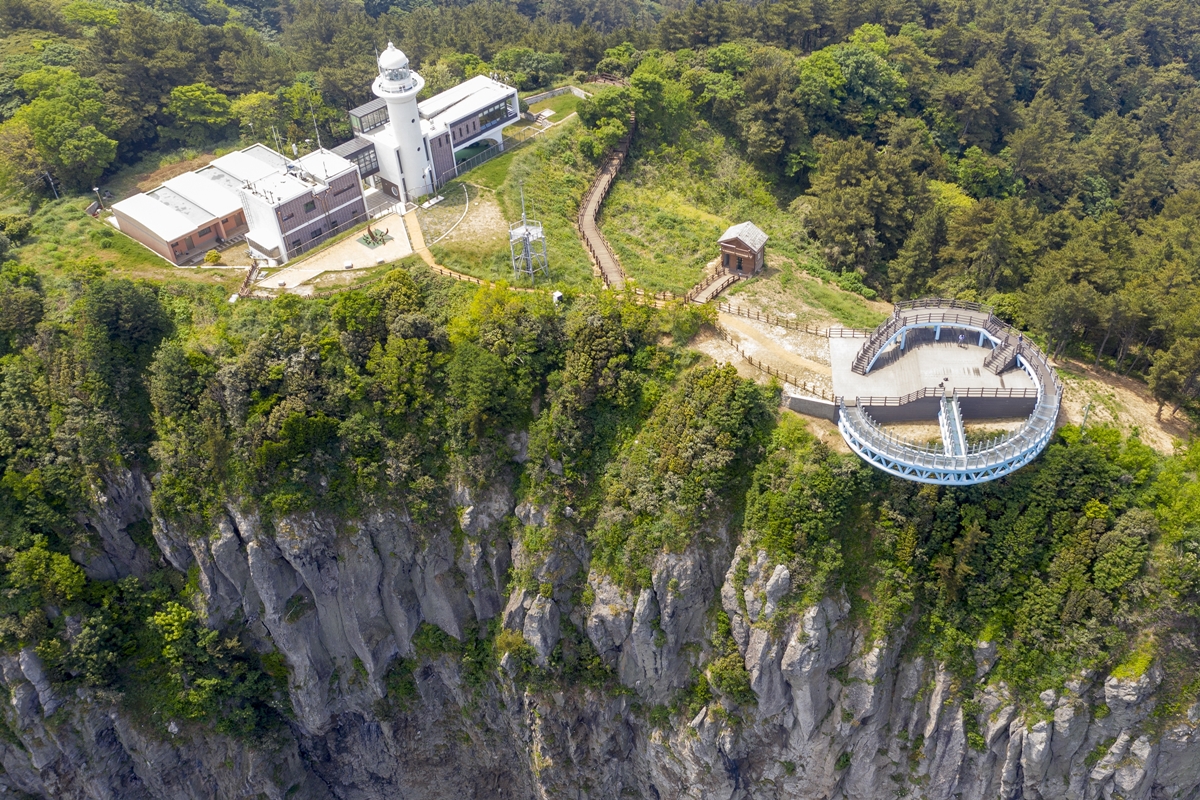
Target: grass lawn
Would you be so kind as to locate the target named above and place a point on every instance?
(510, 131)
(592, 88)
(555, 176)
(490, 174)
(668, 207)
(562, 105)
(662, 240)
(785, 290)
(64, 236)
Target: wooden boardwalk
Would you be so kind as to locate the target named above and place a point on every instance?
(603, 257)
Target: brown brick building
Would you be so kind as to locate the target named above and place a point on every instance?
(742, 249)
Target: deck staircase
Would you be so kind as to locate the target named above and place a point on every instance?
(1001, 358)
(865, 353)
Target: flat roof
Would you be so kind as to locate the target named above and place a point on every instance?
(215, 197)
(197, 215)
(243, 166)
(469, 97)
(157, 217)
(325, 164)
(221, 178)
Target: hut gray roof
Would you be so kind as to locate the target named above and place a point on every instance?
(748, 233)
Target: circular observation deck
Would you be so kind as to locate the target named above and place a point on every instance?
(944, 360)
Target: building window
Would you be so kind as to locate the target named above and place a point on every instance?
(310, 206)
(225, 220)
(725, 259)
(317, 232)
(296, 244)
(369, 121)
(367, 161)
(286, 217)
(739, 263)
(494, 115)
(204, 231)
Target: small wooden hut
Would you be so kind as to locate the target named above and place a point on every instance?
(742, 249)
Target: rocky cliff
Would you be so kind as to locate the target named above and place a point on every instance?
(835, 714)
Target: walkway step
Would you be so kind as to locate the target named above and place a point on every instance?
(1001, 358)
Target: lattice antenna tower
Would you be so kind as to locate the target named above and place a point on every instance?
(527, 243)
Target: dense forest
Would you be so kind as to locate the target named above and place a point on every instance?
(1040, 156)
(388, 396)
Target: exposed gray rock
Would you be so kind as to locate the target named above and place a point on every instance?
(110, 552)
(341, 599)
(541, 629)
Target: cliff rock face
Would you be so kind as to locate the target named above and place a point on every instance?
(836, 716)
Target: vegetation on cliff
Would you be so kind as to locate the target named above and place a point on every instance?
(386, 396)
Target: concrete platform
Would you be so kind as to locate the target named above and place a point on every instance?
(924, 364)
(334, 257)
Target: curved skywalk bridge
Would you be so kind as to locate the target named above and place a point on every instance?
(972, 347)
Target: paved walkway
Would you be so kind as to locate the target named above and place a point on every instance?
(415, 235)
(334, 257)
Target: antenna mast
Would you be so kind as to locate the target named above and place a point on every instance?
(527, 245)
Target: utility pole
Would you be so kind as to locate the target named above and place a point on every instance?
(53, 188)
(314, 119)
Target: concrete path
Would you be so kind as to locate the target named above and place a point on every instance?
(334, 257)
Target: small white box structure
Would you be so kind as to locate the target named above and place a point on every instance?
(380, 260)
(348, 265)
(557, 296)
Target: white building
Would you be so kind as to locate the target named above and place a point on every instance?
(280, 206)
(410, 147)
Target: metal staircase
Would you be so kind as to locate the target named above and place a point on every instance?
(954, 439)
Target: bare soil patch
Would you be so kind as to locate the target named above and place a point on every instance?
(1119, 401)
(484, 225)
(712, 345)
(802, 355)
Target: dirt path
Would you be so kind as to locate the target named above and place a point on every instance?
(779, 346)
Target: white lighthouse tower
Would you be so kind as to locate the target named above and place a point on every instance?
(398, 87)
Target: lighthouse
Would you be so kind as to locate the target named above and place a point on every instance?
(398, 87)
(407, 149)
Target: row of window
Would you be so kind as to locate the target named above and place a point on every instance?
(494, 115)
(316, 232)
(369, 121)
(366, 160)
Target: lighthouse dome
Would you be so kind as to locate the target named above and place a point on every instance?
(392, 59)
